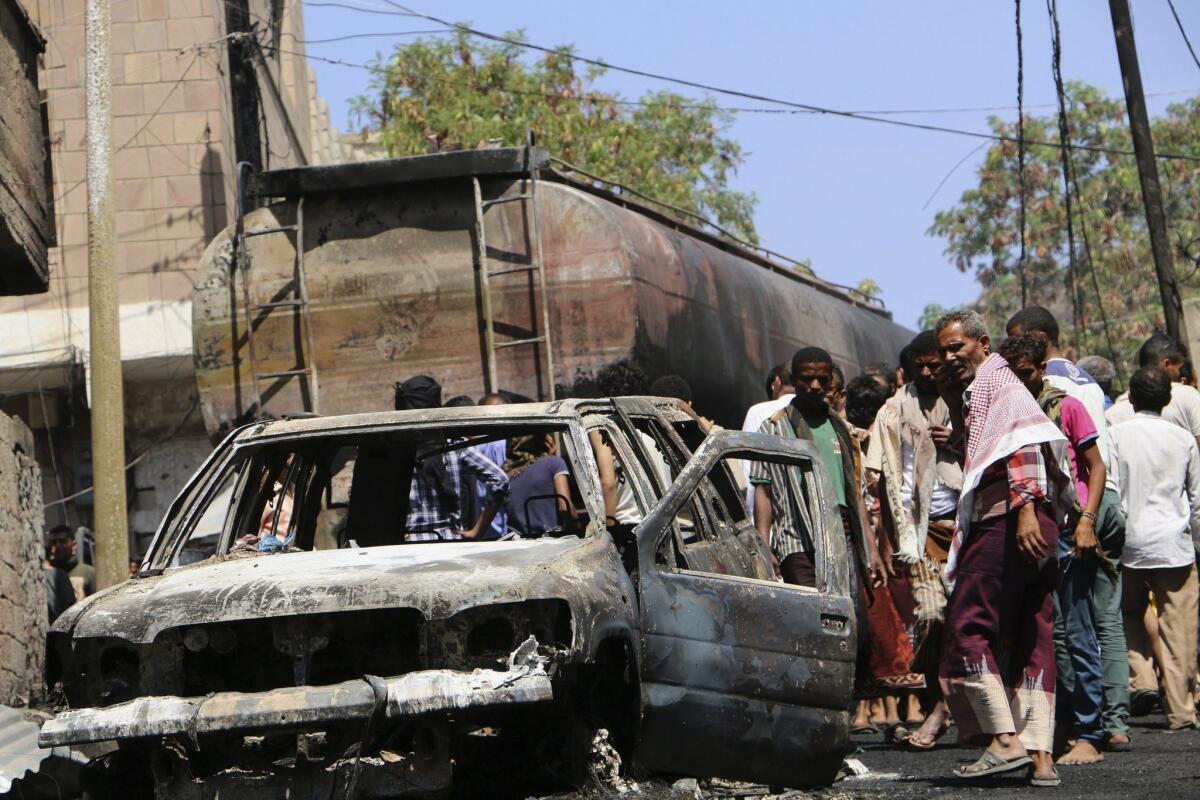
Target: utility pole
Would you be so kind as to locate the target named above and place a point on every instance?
(108, 402)
(1143, 148)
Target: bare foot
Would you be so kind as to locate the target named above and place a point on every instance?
(1119, 743)
(1043, 765)
(861, 716)
(1084, 752)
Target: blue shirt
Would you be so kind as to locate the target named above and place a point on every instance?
(531, 492)
(497, 453)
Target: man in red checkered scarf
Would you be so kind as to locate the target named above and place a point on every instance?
(998, 669)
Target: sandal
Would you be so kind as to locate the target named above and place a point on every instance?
(913, 744)
(991, 764)
(864, 730)
(1045, 783)
(896, 733)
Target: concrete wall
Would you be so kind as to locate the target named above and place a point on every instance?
(23, 615)
(25, 221)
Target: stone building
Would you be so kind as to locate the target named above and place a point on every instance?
(26, 232)
(199, 86)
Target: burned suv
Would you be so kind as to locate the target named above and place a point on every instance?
(286, 635)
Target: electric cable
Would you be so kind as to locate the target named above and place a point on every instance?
(404, 11)
(1064, 134)
(1021, 153)
(1183, 33)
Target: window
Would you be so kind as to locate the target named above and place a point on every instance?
(387, 487)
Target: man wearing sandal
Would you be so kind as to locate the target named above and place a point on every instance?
(998, 665)
(920, 478)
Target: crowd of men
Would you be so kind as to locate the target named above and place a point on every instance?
(1025, 542)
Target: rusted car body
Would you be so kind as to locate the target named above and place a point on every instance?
(371, 668)
(392, 268)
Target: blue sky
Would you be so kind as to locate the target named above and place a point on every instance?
(847, 194)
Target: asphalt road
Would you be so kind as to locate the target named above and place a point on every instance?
(1162, 765)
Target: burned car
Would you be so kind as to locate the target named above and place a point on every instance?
(335, 656)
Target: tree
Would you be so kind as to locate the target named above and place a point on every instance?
(1113, 279)
(869, 289)
(461, 90)
(931, 314)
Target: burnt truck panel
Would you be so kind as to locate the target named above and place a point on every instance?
(380, 670)
(391, 270)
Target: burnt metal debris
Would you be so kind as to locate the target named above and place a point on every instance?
(407, 669)
(349, 272)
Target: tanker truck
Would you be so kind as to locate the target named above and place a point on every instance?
(494, 269)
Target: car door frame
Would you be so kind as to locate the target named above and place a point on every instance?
(744, 678)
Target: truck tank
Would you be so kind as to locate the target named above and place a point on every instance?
(388, 282)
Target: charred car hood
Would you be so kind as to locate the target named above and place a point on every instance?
(437, 579)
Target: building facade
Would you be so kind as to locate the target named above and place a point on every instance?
(199, 86)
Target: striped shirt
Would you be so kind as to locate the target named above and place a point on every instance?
(792, 524)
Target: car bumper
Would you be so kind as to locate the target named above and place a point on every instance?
(411, 694)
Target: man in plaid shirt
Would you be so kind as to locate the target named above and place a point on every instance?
(435, 502)
(436, 492)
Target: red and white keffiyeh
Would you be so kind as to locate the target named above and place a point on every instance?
(1002, 417)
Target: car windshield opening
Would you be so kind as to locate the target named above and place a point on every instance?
(325, 492)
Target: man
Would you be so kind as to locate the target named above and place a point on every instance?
(677, 388)
(809, 416)
(920, 480)
(1103, 372)
(1001, 567)
(1158, 466)
(884, 373)
(779, 395)
(60, 594)
(1076, 646)
(497, 453)
(435, 491)
(62, 545)
(1168, 355)
(781, 518)
(1105, 595)
(835, 397)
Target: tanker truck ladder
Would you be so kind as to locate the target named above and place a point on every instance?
(305, 364)
(535, 266)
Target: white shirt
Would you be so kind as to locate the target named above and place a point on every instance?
(1063, 374)
(942, 500)
(755, 417)
(1183, 410)
(1158, 468)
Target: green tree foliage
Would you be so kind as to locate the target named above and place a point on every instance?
(982, 231)
(931, 314)
(868, 288)
(461, 90)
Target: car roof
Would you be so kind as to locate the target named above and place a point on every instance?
(558, 410)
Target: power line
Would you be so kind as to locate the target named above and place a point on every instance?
(1021, 152)
(404, 11)
(368, 35)
(1064, 134)
(1183, 33)
(994, 137)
